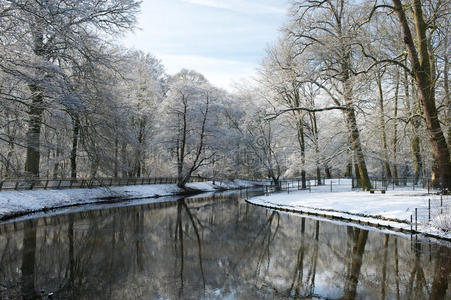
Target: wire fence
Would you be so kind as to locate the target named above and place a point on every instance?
(435, 212)
(392, 183)
(69, 183)
(60, 183)
(436, 207)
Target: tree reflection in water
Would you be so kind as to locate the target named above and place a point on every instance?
(357, 241)
(300, 288)
(263, 240)
(212, 250)
(179, 238)
(28, 261)
(441, 274)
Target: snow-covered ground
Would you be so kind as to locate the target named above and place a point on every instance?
(14, 203)
(392, 209)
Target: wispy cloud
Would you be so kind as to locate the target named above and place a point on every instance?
(241, 6)
(221, 72)
(222, 39)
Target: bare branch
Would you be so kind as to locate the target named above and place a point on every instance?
(311, 110)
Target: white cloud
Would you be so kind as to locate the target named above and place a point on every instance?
(241, 6)
(222, 39)
(220, 72)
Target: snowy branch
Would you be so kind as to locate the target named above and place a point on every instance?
(311, 110)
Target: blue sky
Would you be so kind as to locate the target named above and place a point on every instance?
(223, 39)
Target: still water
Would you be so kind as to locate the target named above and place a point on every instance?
(213, 248)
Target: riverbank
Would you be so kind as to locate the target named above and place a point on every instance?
(18, 203)
(392, 210)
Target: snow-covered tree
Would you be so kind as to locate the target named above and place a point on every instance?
(188, 126)
(55, 38)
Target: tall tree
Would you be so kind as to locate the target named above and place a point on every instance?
(395, 128)
(326, 32)
(418, 30)
(189, 121)
(52, 35)
(281, 74)
(145, 88)
(379, 75)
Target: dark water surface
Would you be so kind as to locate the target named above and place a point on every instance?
(217, 248)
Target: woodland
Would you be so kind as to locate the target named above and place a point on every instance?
(354, 88)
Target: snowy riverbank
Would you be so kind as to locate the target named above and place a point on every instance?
(391, 210)
(15, 203)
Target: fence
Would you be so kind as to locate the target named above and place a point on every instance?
(411, 182)
(38, 183)
(439, 204)
(376, 183)
(435, 207)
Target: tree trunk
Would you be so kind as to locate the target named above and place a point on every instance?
(140, 150)
(355, 135)
(424, 73)
(138, 168)
(73, 154)
(415, 140)
(348, 170)
(358, 183)
(416, 156)
(181, 145)
(94, 166)
(11, 134)
(395, 131)
(328, 173)
(124, 165)
(34, 132)
(347, 90)
(358, 153)
(57, 156)
(275, 179)
(36, 108)
(9, 156)
(435, 176)
(56, 165)
(316, 142)
(382, 126)
(116, 156)
(301, 141)
(446, 88)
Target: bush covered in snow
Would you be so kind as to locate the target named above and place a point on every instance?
(442, 222)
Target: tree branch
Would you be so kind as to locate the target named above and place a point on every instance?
(280, 112)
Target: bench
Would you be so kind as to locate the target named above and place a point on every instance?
(377, 190)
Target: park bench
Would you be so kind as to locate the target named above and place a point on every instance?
(377, 190)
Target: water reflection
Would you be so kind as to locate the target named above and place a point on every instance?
(28, 260)
(222, 248)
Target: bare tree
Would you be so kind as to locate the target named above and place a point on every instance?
(189, 122)
(379, 74)
(281, 75)
(53, 36)
(326, 33)
(418, 22)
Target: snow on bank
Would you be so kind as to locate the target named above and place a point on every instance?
(392, 209)
(13, 203)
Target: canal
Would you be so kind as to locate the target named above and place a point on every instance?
(214, 247)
